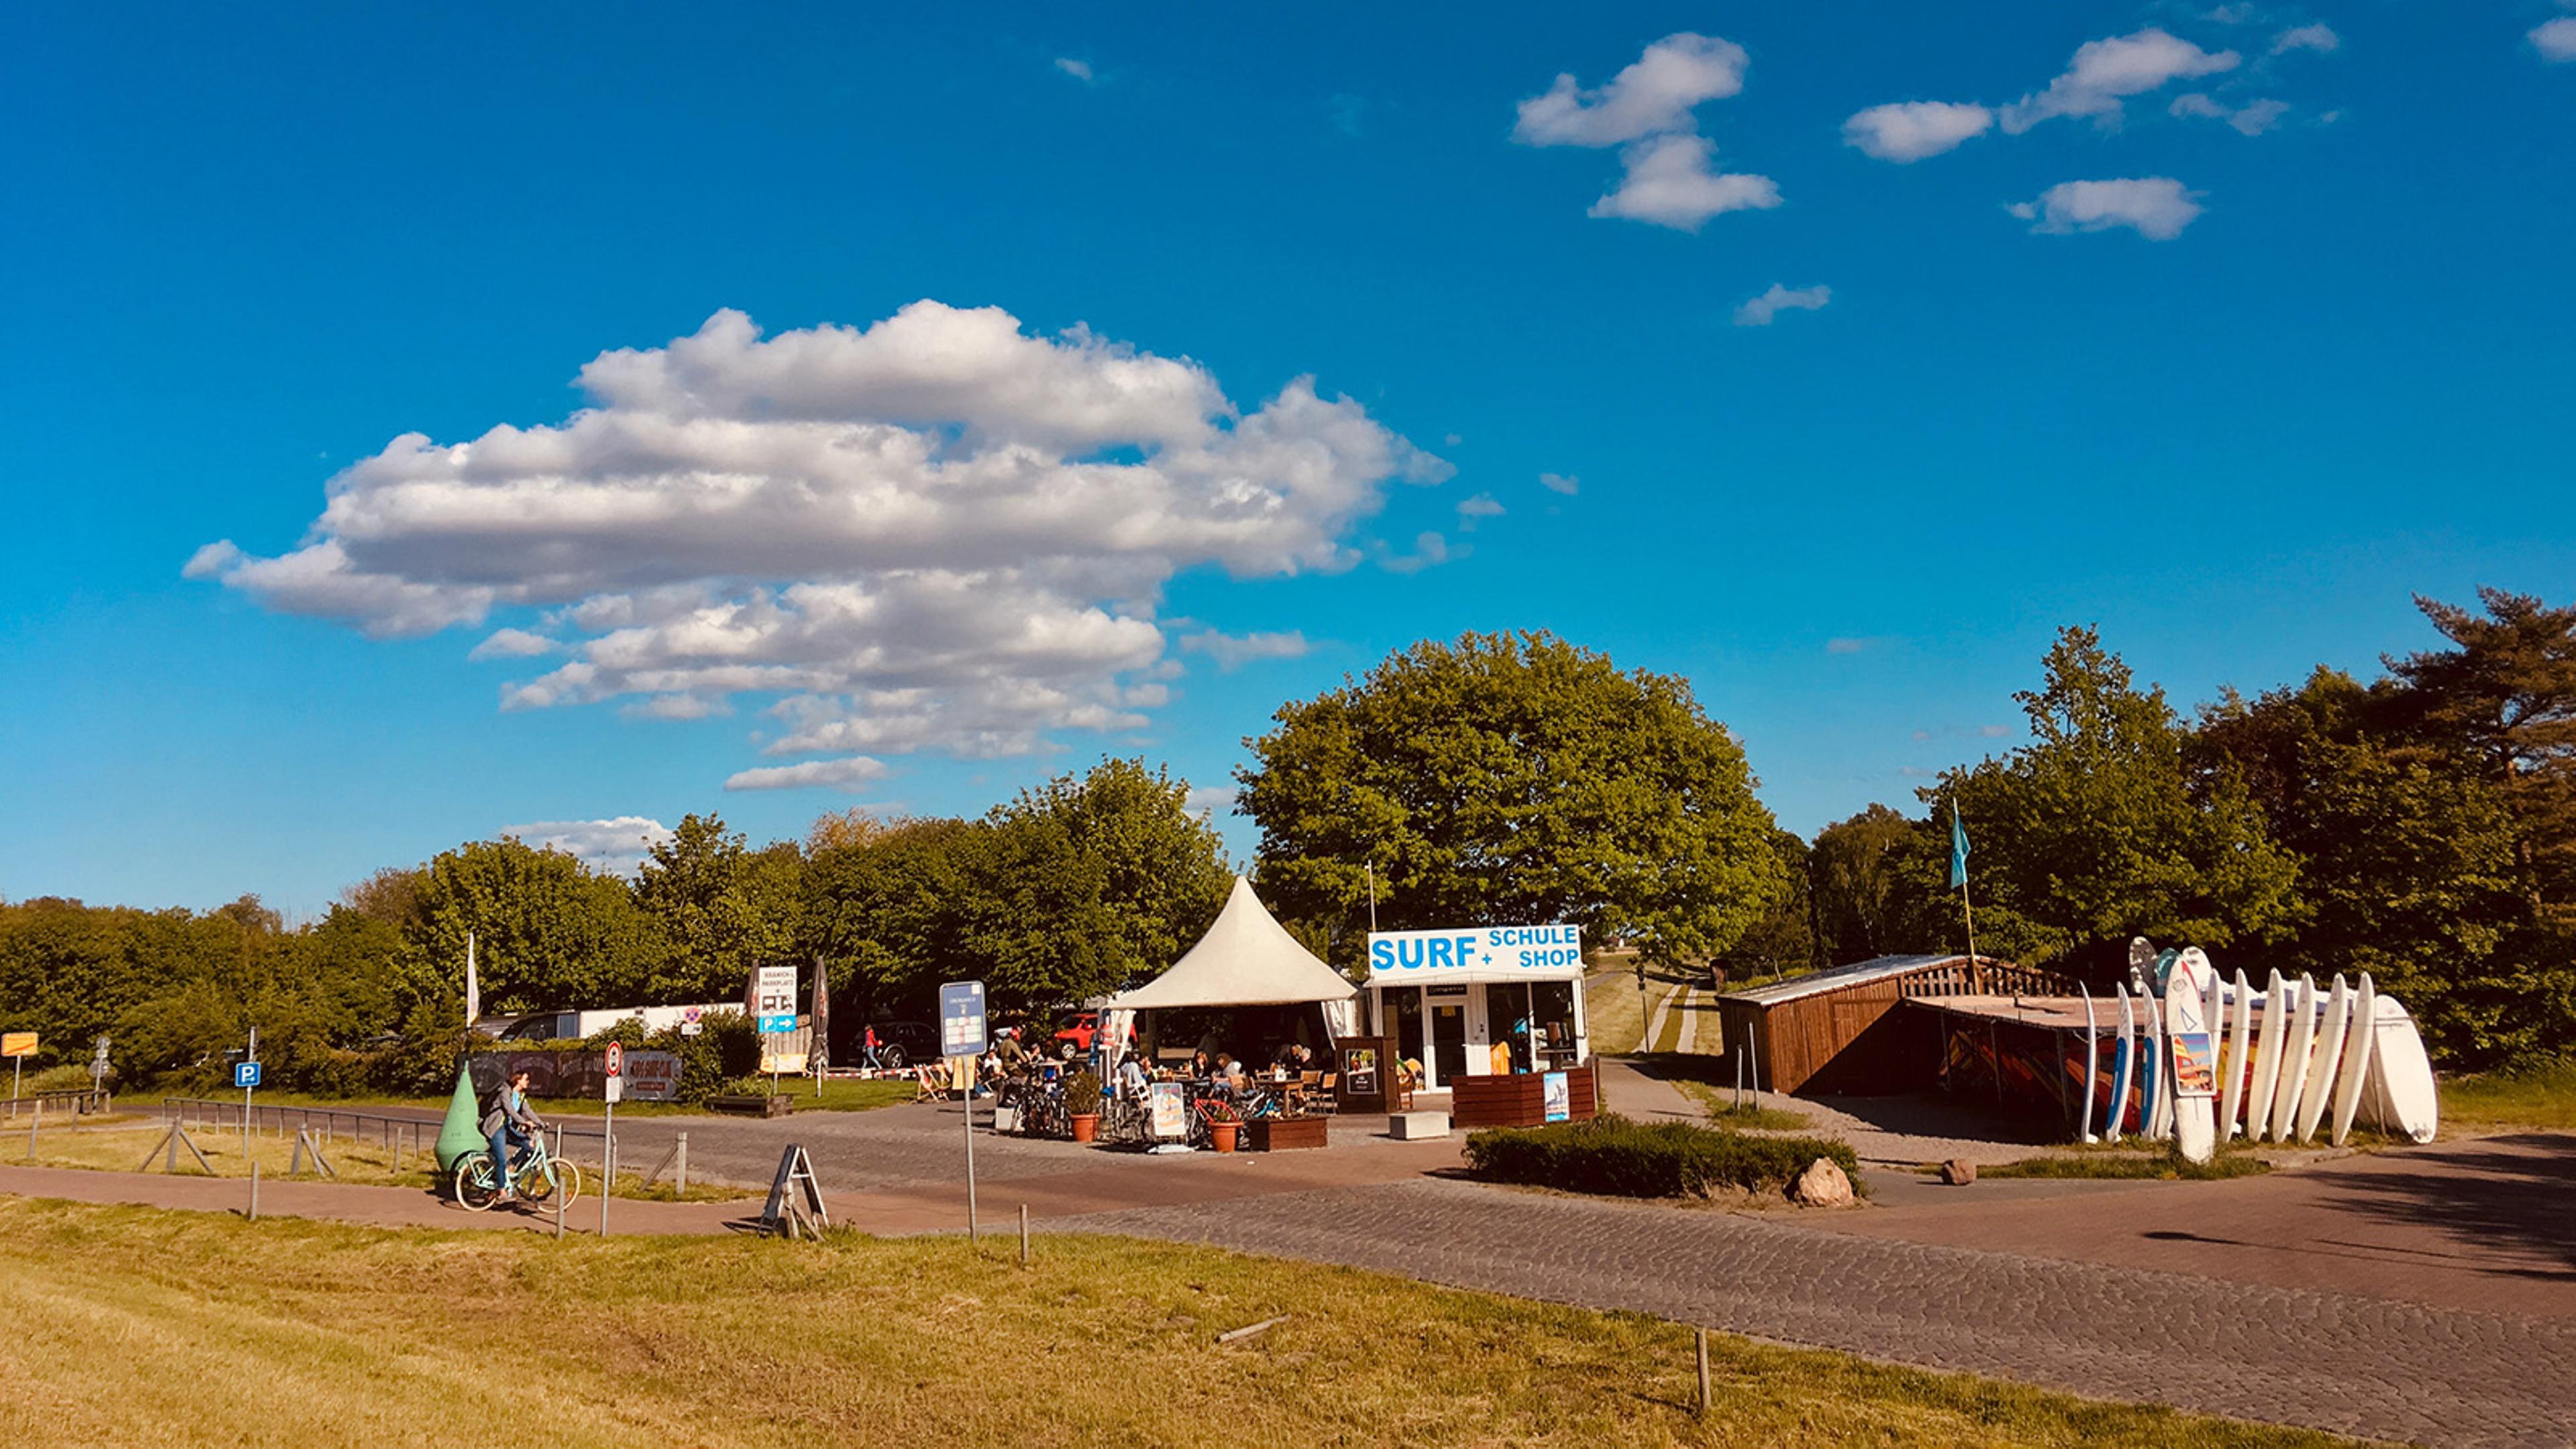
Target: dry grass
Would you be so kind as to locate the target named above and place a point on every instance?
(123, 1149)
(151, 1329)
(2540, 1096)
(1613, 1014)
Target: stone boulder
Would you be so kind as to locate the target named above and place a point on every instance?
(1823, 1185)
(1958, 1172)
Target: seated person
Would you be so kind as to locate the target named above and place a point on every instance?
(1291, 1058)
(1131, 1077)
(1200, 1066)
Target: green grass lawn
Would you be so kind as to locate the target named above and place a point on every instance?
(174, 1330)
(2170, 1166)
(2539, 1096)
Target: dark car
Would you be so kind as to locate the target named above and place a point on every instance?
(906, 1043)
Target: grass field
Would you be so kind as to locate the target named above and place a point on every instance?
(2168, 1166)
(1612, 1013)
(2540, 1096)
(122, 1148)
(837, 1096)
(140, 1328)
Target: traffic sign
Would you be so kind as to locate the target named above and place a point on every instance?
(245, 1074)
(17, 1043)
(616, 1059)
(961, 1019)
(775, 990)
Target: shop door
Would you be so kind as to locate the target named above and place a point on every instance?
(1448, 1039)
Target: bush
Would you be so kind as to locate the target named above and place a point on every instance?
(727, 1046)
(1615, 1156)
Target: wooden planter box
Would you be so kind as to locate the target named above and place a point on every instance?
(1518, 1100)
(1279, 1134)
(761, 1106)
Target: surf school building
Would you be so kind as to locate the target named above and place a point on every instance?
(1493, 1013)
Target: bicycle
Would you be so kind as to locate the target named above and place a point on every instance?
(537, 1173)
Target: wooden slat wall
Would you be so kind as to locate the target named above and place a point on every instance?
(1810, 1039)
(1519, 1099)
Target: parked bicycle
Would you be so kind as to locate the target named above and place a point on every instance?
(536, 1173)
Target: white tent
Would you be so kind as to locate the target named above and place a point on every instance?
(1245, 959)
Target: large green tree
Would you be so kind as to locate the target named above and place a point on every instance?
(1508, 778)
(550, 934)
(2101, 828)
(1864, 907)
(723, 909)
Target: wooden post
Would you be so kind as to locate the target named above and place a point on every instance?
(254, 1192)
(1024, 1235)
(1702, 1335)
(680, 1170)
(34, 1121)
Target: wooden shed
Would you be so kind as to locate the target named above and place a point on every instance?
(1839, 1030)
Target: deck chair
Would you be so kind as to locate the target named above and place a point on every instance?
(929, 1084)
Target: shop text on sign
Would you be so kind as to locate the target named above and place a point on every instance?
(1491, 953)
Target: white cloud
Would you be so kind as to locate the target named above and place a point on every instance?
(847, 774)
(1853, 646)
(1669, 183)
(2104, 71)
(1911, 130)
(2157, 207)
(1994, 732)
(515, 644)
(2253, 118)
(1078, 69)
(2306, 37)
(939, 531)
(675, 707)
(2555, 39)
(1232, 653)
(1565, 483)
(1760, 310)
(1209, 799)
(617, 846)
(1481, 506)
(1652, 96)
(1429, 550)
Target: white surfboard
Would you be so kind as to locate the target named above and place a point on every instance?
(2294, 1059)
(2160, 1124)
(2267, 1058)
(2092, 1066)
(2399, 1087)
(2123, 1060)
(2317, 1093)
(2191, 1053)
(2357, 1056)
(2231, 1063)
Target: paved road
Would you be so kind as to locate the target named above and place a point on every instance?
(2331, 1361)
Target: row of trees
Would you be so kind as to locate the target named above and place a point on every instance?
(2420, 826)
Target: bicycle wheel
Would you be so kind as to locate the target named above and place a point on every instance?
(473, 1182)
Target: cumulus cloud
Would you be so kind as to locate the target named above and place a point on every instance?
(1669, 181)
(1209, 799)
(2156, 207)
(1911, 130)
(1429, 550)
(847, 774)
(2105, 71)
(675, 706)
(1653, 95)
(2253, 118)
(2306, 37)
(618, 845)
(514, 644)
(1078, 69)
(2555, 39)
(935, 532)
(1481, 506)
(1851, 646)
(1759, 311)
(1565, 483)
(1232, 652)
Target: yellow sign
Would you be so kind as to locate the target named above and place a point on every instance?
(17, 1043)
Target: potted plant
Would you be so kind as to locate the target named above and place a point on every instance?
(1223, 1123)
(1082, 1104)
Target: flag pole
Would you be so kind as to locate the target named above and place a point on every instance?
(1959, 866)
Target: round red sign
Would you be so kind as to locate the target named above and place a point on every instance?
(616, 1059)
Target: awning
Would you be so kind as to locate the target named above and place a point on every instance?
(1245, 959)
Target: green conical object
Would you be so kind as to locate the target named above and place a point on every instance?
(462, 1132)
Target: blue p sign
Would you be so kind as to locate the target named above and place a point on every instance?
(245, 1074)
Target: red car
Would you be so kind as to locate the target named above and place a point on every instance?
(1074, 1031)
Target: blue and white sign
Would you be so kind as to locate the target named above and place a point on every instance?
(774, 989)
(961, 1019)
(1476, 953)
(1556, 1097)
(245, 1074)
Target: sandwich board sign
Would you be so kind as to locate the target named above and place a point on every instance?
(775, 989)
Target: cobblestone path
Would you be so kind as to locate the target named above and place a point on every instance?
(2365, 1366)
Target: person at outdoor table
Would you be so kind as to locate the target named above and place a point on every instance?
(1009, 1049)
(1200, 1067)
(1131, 1077)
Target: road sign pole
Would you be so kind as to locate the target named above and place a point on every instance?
(607, 1167)
(966, 1103)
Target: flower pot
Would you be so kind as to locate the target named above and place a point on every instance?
(1086, 1126)
(1223, 1133)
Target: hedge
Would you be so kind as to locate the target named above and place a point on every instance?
(1620, 1158)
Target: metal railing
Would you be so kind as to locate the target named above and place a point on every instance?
(394, 1135)
(76, 1101)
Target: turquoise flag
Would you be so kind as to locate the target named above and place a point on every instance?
(1958, 848)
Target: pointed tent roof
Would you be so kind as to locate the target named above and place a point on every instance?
(1245, 959)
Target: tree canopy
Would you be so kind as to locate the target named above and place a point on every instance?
(1512, 778)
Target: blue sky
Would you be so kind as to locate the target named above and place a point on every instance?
(2299, 350)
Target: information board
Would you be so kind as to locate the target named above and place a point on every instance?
(961, 1019)
(1553, 1094)
(774, 989)
(1171, 1111)
(17, 1044)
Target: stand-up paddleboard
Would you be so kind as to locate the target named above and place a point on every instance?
(2123, 1059)
(2161, 1128)
(2233, 1067)
(2357, 1057)
(2317, 1093)
(2092, 1066)
(2267, 1058)
(2294, 1058)
(2399, 1087)
(2193, 1053)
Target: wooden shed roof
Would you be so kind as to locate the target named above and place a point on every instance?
(1836, 978)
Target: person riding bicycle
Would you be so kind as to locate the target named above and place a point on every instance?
(507, 1120)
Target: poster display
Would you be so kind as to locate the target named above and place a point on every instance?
(1557, 1099)
(1171, 1110)
(2195, 1064)
(1359, 1070)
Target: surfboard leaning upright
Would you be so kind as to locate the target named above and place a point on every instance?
(2123, 1060)
(2192, 1053)
(2267, 1058)
(2240, 1038)
(2092, 1067)
(2317, 1093)
(2355, 1072)
(2295, 1047)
